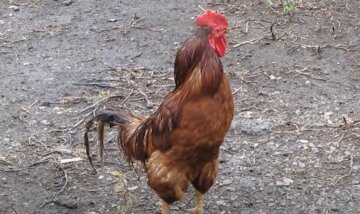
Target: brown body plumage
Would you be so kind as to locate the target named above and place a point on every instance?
(179, 143)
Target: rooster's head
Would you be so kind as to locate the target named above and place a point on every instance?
(217, 25)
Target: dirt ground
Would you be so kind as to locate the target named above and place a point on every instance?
(293, 146)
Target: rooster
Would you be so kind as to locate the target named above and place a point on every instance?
(179, 143)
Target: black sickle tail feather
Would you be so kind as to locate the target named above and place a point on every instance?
(112, 118)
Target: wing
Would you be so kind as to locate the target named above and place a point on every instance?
(153, 134)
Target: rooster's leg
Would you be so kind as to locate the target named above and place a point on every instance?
(199, 209)
(199, 200)
(165, 208)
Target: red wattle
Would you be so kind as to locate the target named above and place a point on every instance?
(219, 45)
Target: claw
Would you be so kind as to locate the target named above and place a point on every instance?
(195, 210)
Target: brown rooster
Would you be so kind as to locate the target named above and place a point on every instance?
(179, 143)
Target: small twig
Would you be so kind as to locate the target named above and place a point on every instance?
(227, 150)
(350, 171)
(337, 46)
(301, 72)
(136, 56)
(349, 124)
(135, 20)
(247, 27)
(140, 91)
(31, 165)
(245, 81)
(236, 91)
(251, 41)
(349, 198)
(32, 104)
(201, 8)
(53, 152)
(24, 109)
(127, 97)
(46, 160)
(340, 139)
(65, 183)
(14, 209)
(317, 52)
(99, 102)
(94, 84)
(59, 203)
(273, 36)
(309, 75)
(77, 124)
(69, 206)
(55, 201)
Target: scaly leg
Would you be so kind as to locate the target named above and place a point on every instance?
(165, 208)
(199, 209)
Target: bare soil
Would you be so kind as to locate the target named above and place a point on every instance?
(293, 146)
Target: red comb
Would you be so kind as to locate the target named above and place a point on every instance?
(211, 18)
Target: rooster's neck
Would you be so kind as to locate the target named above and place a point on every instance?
(197, 65)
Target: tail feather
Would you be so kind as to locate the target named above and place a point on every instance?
(126, 123)
(112, 118)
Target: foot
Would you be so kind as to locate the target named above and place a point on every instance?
(195, 210)
(165, 209)
(199, 209)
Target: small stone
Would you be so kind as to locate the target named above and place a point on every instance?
(231, 189)
(335, 209)
(112, 20)
(150, 105)
(14, 8)
(301, 164)
(327, 116)
(119, 187)
(303, 141)
(234, 124)
(226, 182)
(101, 177)
(356, 168)
(45, 122)
(246, 182)
(68, 2)
(221, 202)
(284, 182)
(133, 188)
(355, 182)
(258, 128)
